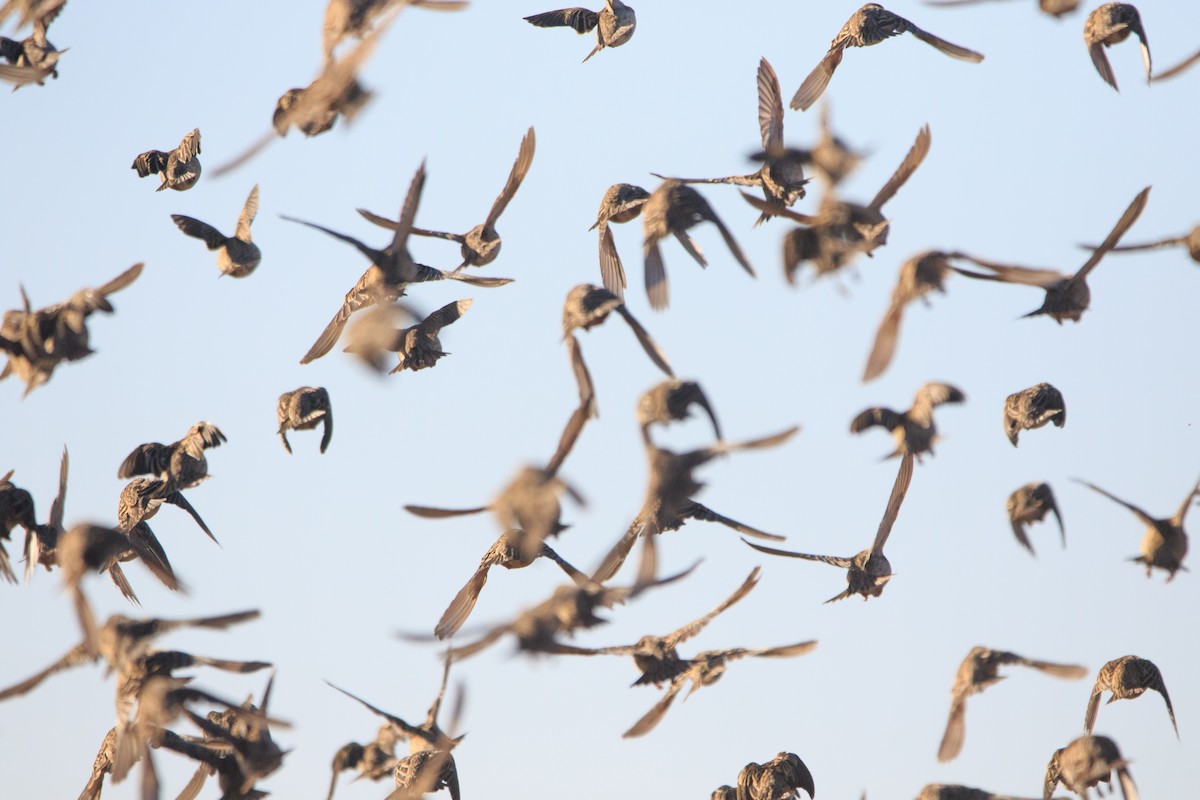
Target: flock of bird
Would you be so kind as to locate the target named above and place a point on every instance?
(154, 705)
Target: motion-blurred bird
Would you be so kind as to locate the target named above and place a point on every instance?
(1165, 543)
(237, 255)
(673, 209)
(913, 429)
(978, 671)
(868, 26)
(1190, 240)
(671, 401)
(34, 58)
(141, 499)
(588, 305)
(1055, 8)
(943, 791)
(1031, 503)
(178, 168)
(1127, 678)
(1033, 408)
(346, 18)
(16, 508)
(374, 760)
(622, 202)
(778, 779)
(481, 244)
(1086, 762)
(302, 410)
(1111, 24)
(614, 23)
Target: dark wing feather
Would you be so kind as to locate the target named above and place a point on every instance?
(581, 19)
(200, 230)
(770, 107)
(515, 176)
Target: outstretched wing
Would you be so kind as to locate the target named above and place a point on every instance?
(580, 19)
(515, 176)
(899, 489)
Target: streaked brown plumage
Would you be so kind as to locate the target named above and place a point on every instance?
(1127, 678)
(237, 255)
(1033, 408)
(102, 766)
(868, 26)
(481, 244)
(1067, 296)
(671, 401)
(614, 23)
(142, 497)
(673, 208)
(778, 779)
(178, 168)
(1030, 504)
(1111, 24)
(588, 305)
(181, 464)
(1165, 543)
(302, 410)
(978, 671)
(869, 570)
(622, 202)
(1086, 762)
(913, 429)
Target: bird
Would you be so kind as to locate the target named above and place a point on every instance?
(1127, 678)
(622, 202)
(586, 409)
(425, 772)
(868, 26)
(1086, 762)
(374, 761)
(921, 275)
(178, 168)
(913, 429)
(705, 669)
(671, 401)
(504, 552)
(781, 177)
(588, 305)
(778, 779)
(302, 410)
(1067, 296)
(181, 464)
(614, 24)
(480, 245)
(1055, 8)
(142, 497)
(101, 767)
(16, 508)
(942, 791)
(1033, 408)
(1165, 543)
(867, 572)
(237, 255)
(392, 270)
(417, 347)
(34, 58)
(1030, 504)
(345, 18)
(1190, 240)
(1182, 66)
(669, 502)
(673, 208)
(41, 541)
(1109, 24)
(978, 671)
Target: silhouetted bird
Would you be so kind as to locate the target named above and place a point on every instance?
(1111, 24)
(302, 410)
(237, 255)
(1030, 504)
(868, 26)
(614, 23)
(1033, 408)
(1127, 678)
(1165, 543)
(913, 429)
(1086, 762)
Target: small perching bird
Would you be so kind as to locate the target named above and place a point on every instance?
(302, 410)
(1127, 678)
(237, 255)
(1031, 503)
(978, 671)
(178, 168)
(622, 202)
(1086, 762)
(1033, 408)
(913, 429)
(1111, 24)
(1165, 543)
(614, 24)
(868, 26)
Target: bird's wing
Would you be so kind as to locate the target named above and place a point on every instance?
(836, 561)
(770, 107)
(177, 499)
(189, 147)
(60, 500)
(950, 49)
(755, 444)
(121, 281)
(1123, 224)
(570, 435)
(814, 85)
(1178, 68)
(612, 271)
(883, 417)
(580, 19)
(399, 723)
(1026, 276)
(656, 275)
(446, 315)
(152, 458)
(899, 489)
(682, 634)
(79, 654)
(193, 227)
(1139, 513)
(648, 344)
(908, 166)
(652, 717)
(437, 513)
(952, 739)
(519, 169)
(358, 298)
(702, 512)
(461, 606)
(249, 212)
(408, 213)
(619, 552)
(779, 211)
(733, 246)
(884, 347)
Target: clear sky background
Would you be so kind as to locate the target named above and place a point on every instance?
(1032, 153)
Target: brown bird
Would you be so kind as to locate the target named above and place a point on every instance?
(673, 209)
(418, 346)
(588, 305)
(942, 791)
(671, 401)
(913, 430)
(1086, 762)
(34, 58)
(346, 18)
(1127, 678)
(1067, 296)
(102, 766)
(142, 497)
(622, 202)
(1030, 504)
(1033, 408)
(302, 410)
(374, 761)
(504, 552)
(781, 177)
(868, 26)
(16, 508)
(41, 541)
(178, 168)
(921, 275)
(481, 244)
(583, 412)
(1190, 240)
(392, 270)
(1178, 68)
(1111, 24)
(1055, 8)
(181, 464)
(868, 571)
(1165, 543)
(423, 773)
(373, 336)
(978, 671)
(614, 23)
(705, 670)
(237, 255)
(778, 779)
(669, 504)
